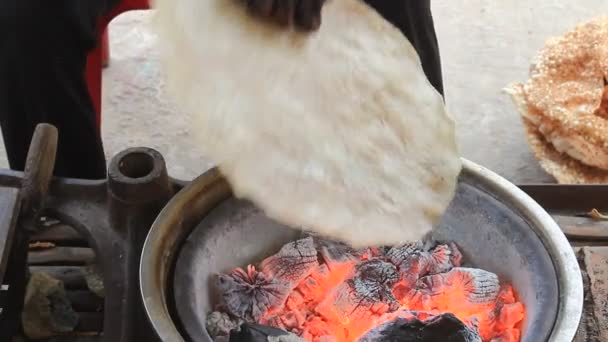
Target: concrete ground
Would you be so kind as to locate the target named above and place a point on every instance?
(485, 45)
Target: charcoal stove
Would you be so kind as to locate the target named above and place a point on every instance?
(204, 231)
(111, 218)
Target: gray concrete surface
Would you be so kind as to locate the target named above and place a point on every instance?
(485, 45)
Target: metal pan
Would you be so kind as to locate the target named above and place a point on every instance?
(498, 226)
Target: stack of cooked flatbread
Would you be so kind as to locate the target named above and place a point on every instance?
(564, 104)
(336, 131)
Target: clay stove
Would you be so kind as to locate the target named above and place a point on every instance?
(204, 232)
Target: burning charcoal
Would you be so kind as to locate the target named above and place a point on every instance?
(311, 288)
(412, 261)
(378, 272)
(511, 335)
(506, 315)
(286, 338)
(261, 333)
(460, 287)
(220, 324)
(333, 252)
(444, 258)
(400, 254)
(444, 328)
(372, 284)
(326, 291)
(316, 287)
(292, 320)
(251, 295)
(509, 315)
(294, 262)
(319, 329)
(367, 294)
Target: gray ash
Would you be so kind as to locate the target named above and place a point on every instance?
(294, 262)
(260, 333)
(250, 294)
(471, 285)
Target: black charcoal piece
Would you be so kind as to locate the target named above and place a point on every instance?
(250, 294)
(442, 328)
(262, 333)
(294, 262)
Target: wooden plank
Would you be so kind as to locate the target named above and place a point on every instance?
(588, 243)
(570, 199)
(582, 228)
(9, 212)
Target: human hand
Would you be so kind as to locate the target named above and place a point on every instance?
(303, 14)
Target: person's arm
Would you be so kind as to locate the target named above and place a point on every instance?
(303, 14)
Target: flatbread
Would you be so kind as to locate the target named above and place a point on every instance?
(566, 101)
(338, 131)
(565, 169)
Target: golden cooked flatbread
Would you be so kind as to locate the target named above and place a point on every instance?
(337, 131)
(565, 169)
(565, 99)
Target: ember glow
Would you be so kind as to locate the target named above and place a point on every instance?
(324, 291)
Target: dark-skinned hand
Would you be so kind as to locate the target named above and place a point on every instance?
(302, 14)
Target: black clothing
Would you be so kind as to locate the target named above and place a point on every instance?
(43, 49)
(414, 19)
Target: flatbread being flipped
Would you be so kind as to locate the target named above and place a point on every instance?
(338, 131)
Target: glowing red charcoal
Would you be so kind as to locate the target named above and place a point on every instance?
(325, 291)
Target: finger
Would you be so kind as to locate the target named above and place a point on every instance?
(284, 11)
(261, 7)
(308, 14)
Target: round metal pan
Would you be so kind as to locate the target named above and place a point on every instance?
(204, 230)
